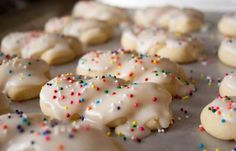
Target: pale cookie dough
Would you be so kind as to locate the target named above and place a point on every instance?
(4, 104)
(174, 19)
(180, 48)
(99, 11)
(22, 79)
(35, 132)
(88, 31)
(227, 24)
(227, 52)
(228, 85)
(219, 118)
(136, 68)
(52, 48)
(107, 101)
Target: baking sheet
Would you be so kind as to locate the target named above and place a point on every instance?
(184, 134)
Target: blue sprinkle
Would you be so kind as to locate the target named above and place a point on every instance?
(201, 146)
(97, 101)
(223, 120)
(81, 100)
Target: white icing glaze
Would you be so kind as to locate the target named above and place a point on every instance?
(152, 13)
(35, 44)
(78, 27)
(19, 73)
(230, 19)
(74, 27)
(134, 68)
(104, 100)
(230, 80)
(224, 107)
(146, 39)
(4, 103)
(21, 132)
(99, 11)
(167, 17)
(229, 44)
(57, 25)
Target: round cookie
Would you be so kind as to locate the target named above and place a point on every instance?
(99, 11)
(36, 132)
(107, 101)
(228, 85)
(174, 19)
(88, 31)
(4, 104)
(22, 79)
(227, 52)
(52, 48)
(219, 118)
(136, 68)
(227, 24)
(180, 48)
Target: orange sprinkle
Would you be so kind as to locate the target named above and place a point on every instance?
(60, 147)
(90, 108)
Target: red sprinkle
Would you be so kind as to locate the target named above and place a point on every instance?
(136, 104)
(154, 99)
(141, 128)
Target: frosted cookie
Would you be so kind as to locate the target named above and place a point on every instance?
(99, 11)
(180, 48)
(4, 104)
(219, 118)
(228, 85)
(88, 31)
(22, 79)
(107, 101)
(136, 68)
(34, 132)
(227, 52)
(52, 48)
(227, 24)
(174, 19)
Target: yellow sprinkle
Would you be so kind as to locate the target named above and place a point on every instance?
(204, 149)
(217, 149)
(109, 133)
(178, 34)
(155, 61)
(193, 81)
(134, 123)
(92, 86)
(230, 115)
(185, 97)
(119, 134)
(66, 107)
(74, 123)
(202, 76)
